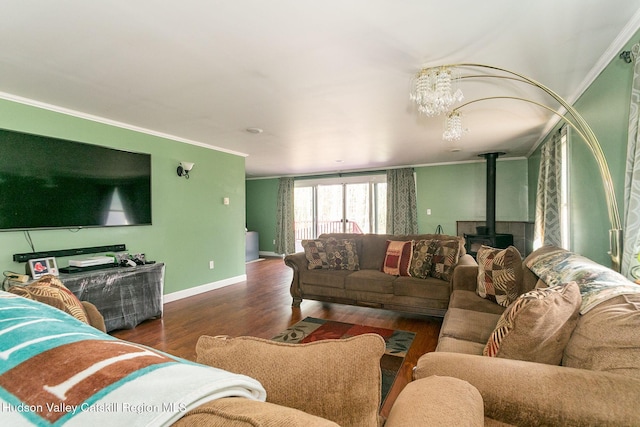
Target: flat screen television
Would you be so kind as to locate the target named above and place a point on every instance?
(48, 183)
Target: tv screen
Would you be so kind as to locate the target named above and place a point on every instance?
(53, 183)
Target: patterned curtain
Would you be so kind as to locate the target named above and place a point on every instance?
(402, 213)
(631, 219)
(548, 196)
(285, 221)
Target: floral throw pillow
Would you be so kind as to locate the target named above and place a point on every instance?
(423, 251)
(499, 274)
(342, 254)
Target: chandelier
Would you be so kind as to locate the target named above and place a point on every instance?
(432, 90)
(453, 127)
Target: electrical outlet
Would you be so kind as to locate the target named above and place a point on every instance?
(211, 265)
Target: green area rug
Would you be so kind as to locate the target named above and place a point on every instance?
(398, 342)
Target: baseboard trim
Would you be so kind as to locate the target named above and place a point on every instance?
(186, 293)
(270, 254)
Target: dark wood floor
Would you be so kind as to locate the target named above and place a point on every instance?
(261, 307)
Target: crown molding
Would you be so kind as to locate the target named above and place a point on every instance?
(109, 122)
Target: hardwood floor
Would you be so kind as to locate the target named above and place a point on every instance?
(261, 307)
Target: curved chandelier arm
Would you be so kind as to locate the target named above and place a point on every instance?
(546, 107)
(588, 136)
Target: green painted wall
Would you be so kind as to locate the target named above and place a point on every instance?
(605, 107)
(452, 192)
(457, 193)
(191, 225)
(262, 196)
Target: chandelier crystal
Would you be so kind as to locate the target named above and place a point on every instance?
(453, 127)
(432, 90)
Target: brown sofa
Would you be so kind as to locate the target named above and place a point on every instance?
(123, 383)
(367, 285)
(341, 387)
(597, 381)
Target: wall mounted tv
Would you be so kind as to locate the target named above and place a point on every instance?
(50, 183)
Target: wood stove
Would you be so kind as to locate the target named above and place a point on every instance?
(487, 235)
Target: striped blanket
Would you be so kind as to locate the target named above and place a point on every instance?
(56, 370)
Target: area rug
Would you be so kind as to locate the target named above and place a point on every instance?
(397, 342)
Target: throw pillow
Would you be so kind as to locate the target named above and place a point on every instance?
(49, 288)
(445, 259)
(338, 380)
(397, 258)
(499, 274)
(537, 326)
(342, 254)
(423, 251)
(315, 253)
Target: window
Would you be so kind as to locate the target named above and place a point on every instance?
(354, 204)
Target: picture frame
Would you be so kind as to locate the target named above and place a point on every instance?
(39, 267)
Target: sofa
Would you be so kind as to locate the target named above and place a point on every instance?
(60, 370)
(409, 273)
(551, 340)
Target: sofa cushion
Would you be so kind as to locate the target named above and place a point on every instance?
(370, 281)
(445, 259)
(397, 259)
(499, 274)
(607, 338)
(455, 345)
(423, 251)
(537, 326)
(342, 254)
(422, 288)
(469, 300)
(468, 325)
(328, 278)
(338, 380)
(315, 253)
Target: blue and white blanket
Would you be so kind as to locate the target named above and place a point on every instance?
(56, 370)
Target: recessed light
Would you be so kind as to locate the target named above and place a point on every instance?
(455, 150)
(339, 161)
(254, 130)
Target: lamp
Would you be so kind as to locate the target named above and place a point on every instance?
(454, 131)
(184, 168)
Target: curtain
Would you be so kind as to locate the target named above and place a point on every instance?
(631, 218)
(402, 213)
(548, 229)
(285, 221)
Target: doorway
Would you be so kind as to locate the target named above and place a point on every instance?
(340, 205)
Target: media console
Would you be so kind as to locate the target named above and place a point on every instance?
(125, 296)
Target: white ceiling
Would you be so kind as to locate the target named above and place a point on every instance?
(328, 81)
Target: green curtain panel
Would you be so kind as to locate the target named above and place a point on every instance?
(402, 212)
(548, 197)
(630, 265)
(285, 221)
